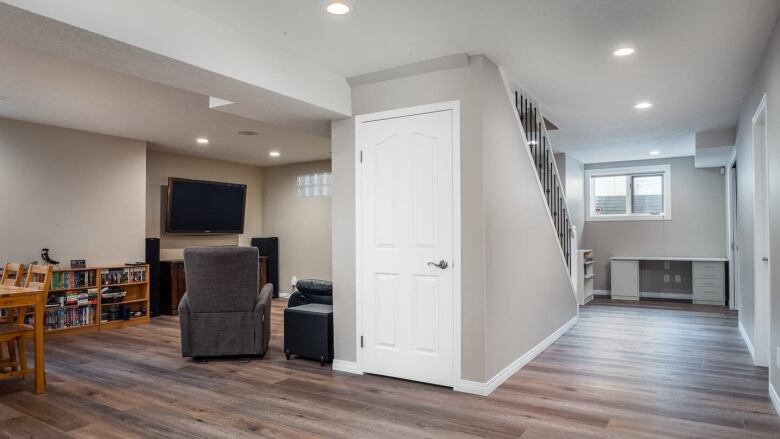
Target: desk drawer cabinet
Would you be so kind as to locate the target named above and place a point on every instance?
(709, 283)
(708, 270)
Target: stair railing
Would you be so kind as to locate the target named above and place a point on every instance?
(538, 142)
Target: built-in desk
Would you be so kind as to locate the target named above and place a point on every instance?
(708, 278)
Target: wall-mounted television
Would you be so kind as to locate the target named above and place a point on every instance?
(198, 207)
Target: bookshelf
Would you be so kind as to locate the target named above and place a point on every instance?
(584, 276)
(75, 303)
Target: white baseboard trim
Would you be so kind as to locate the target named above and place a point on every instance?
(747, 341)
(659, 295)
(346, 366)
(485, 389)
(774, 398)
(601, 292)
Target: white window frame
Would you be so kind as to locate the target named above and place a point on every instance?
(665, 170)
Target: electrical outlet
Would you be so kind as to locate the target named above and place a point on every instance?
(667, 264)
(667, 278)
(677, 278)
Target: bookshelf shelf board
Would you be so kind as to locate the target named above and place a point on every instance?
(70, 327)
(60, 270)
(50, 308)
(62, 290)
(59, 332)
(126, 284)
(125, 302)
(123, 323)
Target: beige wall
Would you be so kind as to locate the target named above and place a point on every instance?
(80, 194)
(528, 293)
(572, 175)
(303, 225)
(697, 227)
(161, 165)
(501, 317)
(767, 80)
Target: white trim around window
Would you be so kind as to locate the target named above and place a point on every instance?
(635, 171)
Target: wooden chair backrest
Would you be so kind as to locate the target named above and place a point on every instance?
(38, 276)
(12, 274)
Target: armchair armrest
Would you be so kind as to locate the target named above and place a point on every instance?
(263, 311)
(184, 322)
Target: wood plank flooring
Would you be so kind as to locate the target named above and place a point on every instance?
(647, 370)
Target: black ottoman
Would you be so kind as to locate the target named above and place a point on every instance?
(308, 332)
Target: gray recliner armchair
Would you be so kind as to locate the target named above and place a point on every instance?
(222, 313)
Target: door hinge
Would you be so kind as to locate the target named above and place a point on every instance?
(361, 156)
(361, 341)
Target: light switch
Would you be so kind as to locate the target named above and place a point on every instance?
(667, 264)
(667, 278)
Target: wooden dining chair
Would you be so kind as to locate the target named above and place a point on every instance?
(13, 274)
(15, 331)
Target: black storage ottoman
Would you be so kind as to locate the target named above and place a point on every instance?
(308, 332)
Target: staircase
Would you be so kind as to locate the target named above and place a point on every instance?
(539, 145)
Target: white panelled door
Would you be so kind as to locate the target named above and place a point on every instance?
(407, 247)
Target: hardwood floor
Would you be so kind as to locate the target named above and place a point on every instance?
(645, 370)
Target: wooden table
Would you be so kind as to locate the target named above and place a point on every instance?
(15, 297)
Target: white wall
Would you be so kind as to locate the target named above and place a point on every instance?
(572, 175)
(161, 165)
(767, 80)
(80, 194)
(303, 225)
(697, 227)
(575, 194)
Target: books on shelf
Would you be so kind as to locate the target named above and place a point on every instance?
(61, 280)
(116, 276)
(66, 317)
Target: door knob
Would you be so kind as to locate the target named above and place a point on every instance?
(765, 259)
(442, 264)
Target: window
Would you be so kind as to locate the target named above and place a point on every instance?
(314, 185)
(640, 193)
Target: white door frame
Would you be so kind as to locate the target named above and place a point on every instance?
(731, 234)
(761, 319)
(453, 106)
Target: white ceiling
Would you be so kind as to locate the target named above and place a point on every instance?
(695, 58)
(57, 91)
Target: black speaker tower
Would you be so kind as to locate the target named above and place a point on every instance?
(153, 259)
(270, 247)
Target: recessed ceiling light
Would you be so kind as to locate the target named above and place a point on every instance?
(655, 152)
(248, 133)
(643, 105)
(623, 51)
(202, 141)
(274, 153)
(338, 7)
